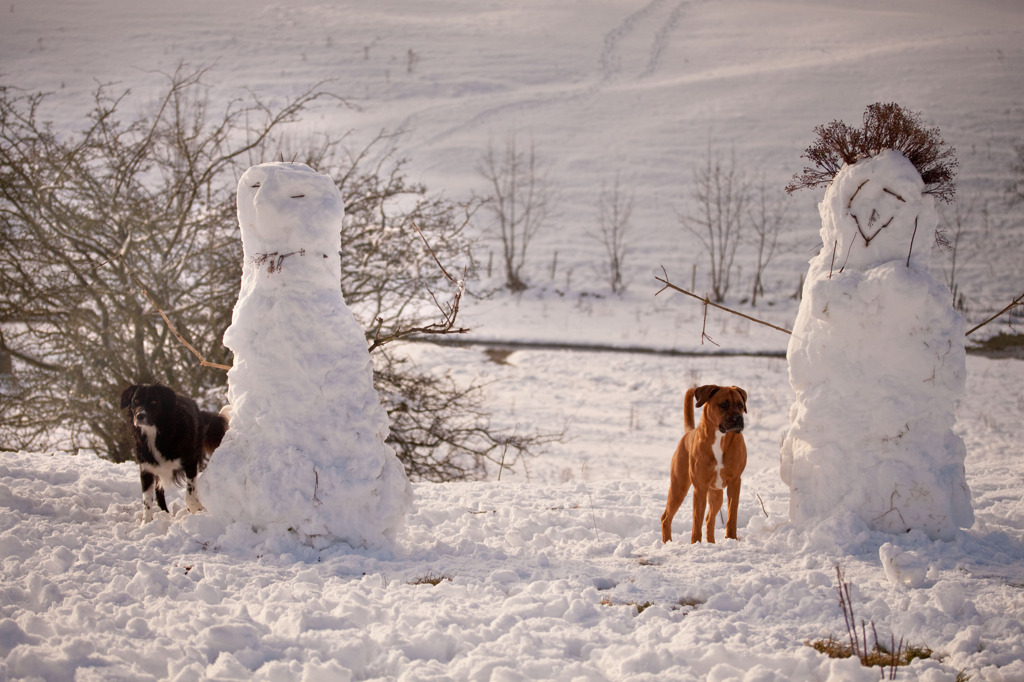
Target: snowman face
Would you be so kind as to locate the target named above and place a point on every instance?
(875, 209)
(286, 208)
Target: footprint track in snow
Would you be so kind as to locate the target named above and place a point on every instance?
(660, 16)
(664, 15)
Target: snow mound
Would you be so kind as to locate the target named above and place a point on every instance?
(306, 449)
(877, 362)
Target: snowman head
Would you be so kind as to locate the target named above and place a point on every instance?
(288, 207)
(875, 211)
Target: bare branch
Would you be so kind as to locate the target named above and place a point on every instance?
(167, 320)
(449, 313)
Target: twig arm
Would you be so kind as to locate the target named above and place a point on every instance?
(1016, 302)
(704, 299)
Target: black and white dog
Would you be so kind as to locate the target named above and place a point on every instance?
(173, 438)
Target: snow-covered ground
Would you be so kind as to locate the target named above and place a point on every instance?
(541, 576)
(555, 571)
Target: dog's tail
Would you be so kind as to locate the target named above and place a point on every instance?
(213, 427)
(688, 423)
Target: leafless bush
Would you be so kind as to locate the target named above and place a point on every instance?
(886, 126)
(519, 200)
(442, 430)
(614, 211)
(88, 220)
(766, 217)
(392, 233)
(721, 193)
(80, 215)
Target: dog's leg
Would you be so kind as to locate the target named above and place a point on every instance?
(148, 487)
(679, 485)
(676, 495)
(714, 506)
(700, 500)
(734, 507)
(160, 496)
(191, 496)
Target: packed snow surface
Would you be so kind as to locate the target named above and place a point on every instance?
(305, 449)
(877, 363)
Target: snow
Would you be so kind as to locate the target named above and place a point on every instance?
(540, 579)
(550, 565)
(877, 363)
(305, 449)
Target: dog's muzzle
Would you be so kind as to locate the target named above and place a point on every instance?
(734, 423)
(141, 418)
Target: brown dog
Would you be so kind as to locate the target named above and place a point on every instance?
(711, 458)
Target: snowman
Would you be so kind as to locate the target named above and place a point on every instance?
(305, 450)
(877, 363)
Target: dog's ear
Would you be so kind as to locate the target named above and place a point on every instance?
(744, 394)
(127, 395)
(703, 394)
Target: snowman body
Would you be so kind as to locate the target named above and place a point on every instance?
(306, 445)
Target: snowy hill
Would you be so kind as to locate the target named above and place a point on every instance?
(639, 88)
(556, 571)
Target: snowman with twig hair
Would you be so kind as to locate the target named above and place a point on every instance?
(877, 358)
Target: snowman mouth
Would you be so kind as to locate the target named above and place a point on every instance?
(871, 223)
(872, 229)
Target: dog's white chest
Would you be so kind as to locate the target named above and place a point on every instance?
(716, 450)
(164, 469)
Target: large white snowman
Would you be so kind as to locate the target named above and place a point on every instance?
(877, 362)
(305, 450)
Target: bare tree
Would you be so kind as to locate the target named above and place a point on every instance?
(519, 201)
(957, 221)
(721, 194)
(952, 228)
(766, 218)
(614, 211)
